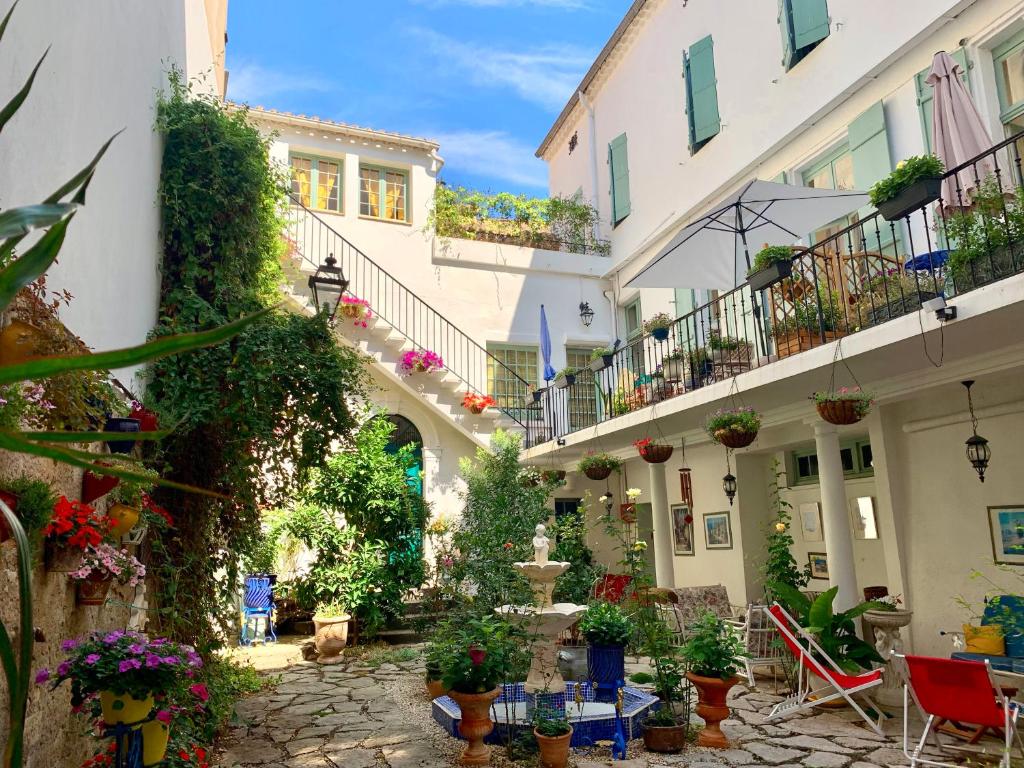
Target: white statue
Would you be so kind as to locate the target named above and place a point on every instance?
(540, 545)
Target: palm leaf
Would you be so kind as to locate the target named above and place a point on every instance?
(33, 263)
(20, 221)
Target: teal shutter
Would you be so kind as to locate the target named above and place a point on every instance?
(702, 93)
(786, 31)
(810, 22)
(781, 178)
(925, 93)
(619, 172)
(869, 148)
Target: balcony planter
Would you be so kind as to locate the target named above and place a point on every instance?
(96, 486)
(770, 275)
(119, 424)
(18, 342)
(910, 198)
(93, 590)
(797, 341)
(537, 395)
(598, 364)
(565, 381)
(659, 334)
(673, 369)
(12, 502)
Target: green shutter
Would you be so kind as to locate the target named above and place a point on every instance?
(810, 22)
(786, 31)
(925, 93)
(869, 147)
(702, 93)
(619, 171)
(781, 178)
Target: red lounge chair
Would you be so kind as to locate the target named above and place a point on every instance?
(612, 587)
(838, 684)
(959, 691)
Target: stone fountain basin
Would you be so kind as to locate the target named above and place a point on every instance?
(552, 620)
(543, 574)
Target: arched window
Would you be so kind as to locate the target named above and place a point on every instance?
(406, 434)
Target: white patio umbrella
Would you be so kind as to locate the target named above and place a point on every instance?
(958, 130)
(715, 250)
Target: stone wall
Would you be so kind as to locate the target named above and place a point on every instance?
(54, 737)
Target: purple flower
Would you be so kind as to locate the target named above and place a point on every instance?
(128, 665)
(194, 659)
(173, 660)
(69, 645)
(63, 668)
(164, 716)
(92, 658)
(152, 661)
(42, 676)
(113, 637)
(137, 648)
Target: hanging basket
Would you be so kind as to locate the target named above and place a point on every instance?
(476, 410)
(93, 590)
(655, 453)
(598, 473)
(732, 438)
(839, 411)
(553, 475)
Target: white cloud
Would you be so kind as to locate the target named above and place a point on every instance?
(494, 154)
(254, 84)
(546, 75)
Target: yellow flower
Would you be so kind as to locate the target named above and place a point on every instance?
(640, 546)
(900, 164)
(633, 493)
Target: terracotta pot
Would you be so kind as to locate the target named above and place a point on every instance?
(730, 438)
(123, 708)
(711, 707)
(96, 486)
(597, 473)
(554, 750)
(124, 518)
(839, 411)
(436, 689)
(331, 637)
(61, 558)
(475, 724)
(664, 738)
(93, 590)
(655, 453)
(18, 342)
(12, 502)
(155, 735)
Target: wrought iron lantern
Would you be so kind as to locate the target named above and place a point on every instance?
(729, 486)
(586, 313)
(327, 286)
(978, 452)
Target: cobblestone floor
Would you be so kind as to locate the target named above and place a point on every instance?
(351, 715)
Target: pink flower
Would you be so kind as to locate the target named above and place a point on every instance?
(163, 716)
(92, 659)
(199, 691)
(128, 665)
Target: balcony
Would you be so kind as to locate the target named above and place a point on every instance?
(868, 274)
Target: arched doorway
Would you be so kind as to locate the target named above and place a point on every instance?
(406, 434)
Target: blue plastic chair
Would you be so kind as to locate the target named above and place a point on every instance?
(257, 603)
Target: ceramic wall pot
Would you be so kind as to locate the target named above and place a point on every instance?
(155, 735)
(606, 666)
(124, 518)
(120, 424)
(123, 708)
(93, 590)
(554, 750)
(331, 637)
(664, 738)
(18, 342)
(475, 724)
(711, 707)
(96, 486)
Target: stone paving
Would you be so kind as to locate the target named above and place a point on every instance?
(351, 715)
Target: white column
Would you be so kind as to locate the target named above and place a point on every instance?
(838, 539)
(664, 572)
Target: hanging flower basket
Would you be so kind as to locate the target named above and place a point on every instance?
(93, 589)
(734, 427)
(553, 475)
(651, 452)
(845, 406)
(530, 478)
(477, 404)
(598, 473)
(598, 466)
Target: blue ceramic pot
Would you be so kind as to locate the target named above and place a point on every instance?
(606, 666)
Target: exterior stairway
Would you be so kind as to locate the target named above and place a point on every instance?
(402, 322)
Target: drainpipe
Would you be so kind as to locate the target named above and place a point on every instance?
(610, 295)
(592, 131)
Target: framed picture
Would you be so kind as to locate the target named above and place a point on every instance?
(818, 561)
(682, 529)
(862, 514)
(717, 530)
(810, 521)
(1006, 525)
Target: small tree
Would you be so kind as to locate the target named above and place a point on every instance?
(780, 566)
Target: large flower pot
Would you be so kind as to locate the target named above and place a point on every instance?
(96, 486)
(839, 411)
(18, 342)
(155, 735)
(909, 199)
(12, 503)
(711, 708)
(554, 750)
(123, 708)
(475, 724)
(436, 689)
(664, 738)
(606, 668)
(597, 473)
(93, 590)
(331, 637)
(124, 518)
(60, 557)
(118, 424)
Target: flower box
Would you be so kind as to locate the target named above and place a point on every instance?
(798, 341)
(910, 198)
(565, 381)
(598, 364)
(770, 275)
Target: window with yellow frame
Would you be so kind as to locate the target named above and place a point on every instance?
(383, 193)
(316, 182)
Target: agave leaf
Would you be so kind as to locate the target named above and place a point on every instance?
(18, 678)
(33, 263)
(93, 437)
(45, 367)
(19, 98)
(7, 18)
(20, 221)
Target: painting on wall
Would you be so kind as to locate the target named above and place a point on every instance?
(862, 514)
(818, 561)
(810, 521)
(682, 529)
(1006, 526)
(717, 531)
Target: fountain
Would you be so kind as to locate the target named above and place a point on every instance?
(546, 620)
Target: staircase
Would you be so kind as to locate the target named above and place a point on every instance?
(401, 322)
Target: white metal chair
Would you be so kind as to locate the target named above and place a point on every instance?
(758, 635)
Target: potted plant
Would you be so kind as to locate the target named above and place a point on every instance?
(32, 501)
(843, 406)
(672, 365)
(554, 734)
(101, 565)
(126, 501)
(607, 630)
(598, 466)
(96, 485)
(733, 427)
(771, 264)
(148, 421)
(330, 623)
(420, 361)
(355, 309)
(538, 393)
(477, 404)
(73, 527)
(530, 477)
(914, 183)
(652, 452)
(713, 651)
(602, 358)
(565, 377)
(121, 424)
(658, 326)
(479, 652)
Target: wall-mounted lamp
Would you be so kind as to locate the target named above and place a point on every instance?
(586, 313)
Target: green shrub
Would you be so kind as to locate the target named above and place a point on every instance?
(35, 505)
(714, 648)
(480, 654)
(907, 172)
(605, 624)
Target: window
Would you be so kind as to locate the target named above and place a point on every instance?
(316, 182)
(835, 171)
(701, 93)
(618, 166)
(583, 396)
(383, 193)
(803, 24)
(505, 363)
(634, 319)
(926, 92)
(1009, 61)
(855, 457)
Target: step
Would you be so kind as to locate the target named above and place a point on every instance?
(399, 636)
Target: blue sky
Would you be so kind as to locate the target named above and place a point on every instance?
(484, 77)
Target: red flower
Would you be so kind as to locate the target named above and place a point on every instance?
(508, 545)
(199, 691)
(477, 655)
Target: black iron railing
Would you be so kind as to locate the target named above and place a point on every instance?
(312, 240)
(869, 273)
